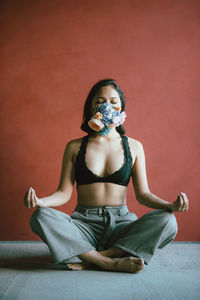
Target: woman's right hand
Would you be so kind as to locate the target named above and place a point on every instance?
(30, 198)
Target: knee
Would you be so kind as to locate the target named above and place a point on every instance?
(33, 220)
(174, 225)
(38, 213)
(171, 222)
(36, 216)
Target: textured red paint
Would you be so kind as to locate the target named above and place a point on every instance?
(54, 51)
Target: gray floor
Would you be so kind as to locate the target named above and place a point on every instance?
(27, 272)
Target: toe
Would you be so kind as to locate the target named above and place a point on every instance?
(142, 261)
(139, 268)
(139, 261)
(69, 267)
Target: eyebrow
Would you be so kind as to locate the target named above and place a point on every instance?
(104, 98)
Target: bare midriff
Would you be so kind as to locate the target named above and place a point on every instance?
(101, 194)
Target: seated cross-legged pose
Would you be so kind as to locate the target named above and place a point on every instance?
(102, 232)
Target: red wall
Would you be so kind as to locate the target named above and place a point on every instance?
(54, 51)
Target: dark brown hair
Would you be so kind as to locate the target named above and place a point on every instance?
(87, 113)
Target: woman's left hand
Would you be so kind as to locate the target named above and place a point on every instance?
(181, 203)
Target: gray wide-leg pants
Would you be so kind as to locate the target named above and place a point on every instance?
(99, 228)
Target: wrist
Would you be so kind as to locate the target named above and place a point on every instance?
(40, 202)
(170, 206)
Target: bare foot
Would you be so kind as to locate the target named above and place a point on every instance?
(125, 264)
(81, 266)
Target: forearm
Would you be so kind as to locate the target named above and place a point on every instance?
(55, 199)
(152, 201)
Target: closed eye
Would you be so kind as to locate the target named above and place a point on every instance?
(100, 101)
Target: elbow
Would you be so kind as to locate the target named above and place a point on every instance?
(65, 198)
(139, 200)
(142, 197)
(66, 194)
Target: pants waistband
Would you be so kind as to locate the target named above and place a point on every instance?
(108, 212)
(103, 210)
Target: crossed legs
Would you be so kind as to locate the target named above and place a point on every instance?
(111, 259)
(140, 241)
(154, 230)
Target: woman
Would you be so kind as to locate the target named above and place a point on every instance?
(101, 231)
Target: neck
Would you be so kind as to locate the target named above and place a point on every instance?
(112, 134)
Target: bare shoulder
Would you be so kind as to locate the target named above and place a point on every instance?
(73, 146)
(135, 146)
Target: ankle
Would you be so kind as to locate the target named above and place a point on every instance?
(113, 252)
(107, 264)
(104, 262)
(96, 258)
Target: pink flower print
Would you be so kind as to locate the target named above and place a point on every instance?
(117, 108)
(98, 116)
(118, 120)
(95, 124)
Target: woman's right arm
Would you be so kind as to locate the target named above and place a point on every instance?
(65, 188)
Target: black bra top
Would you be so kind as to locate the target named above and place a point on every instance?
(85, 176)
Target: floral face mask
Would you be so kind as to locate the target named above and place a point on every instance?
(105, 117)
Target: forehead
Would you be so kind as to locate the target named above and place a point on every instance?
(107, 91)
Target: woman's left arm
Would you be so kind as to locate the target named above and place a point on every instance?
(142, 192)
